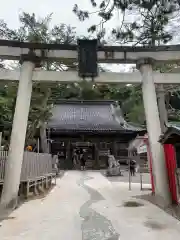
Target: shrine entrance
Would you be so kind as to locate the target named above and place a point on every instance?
(89, 151)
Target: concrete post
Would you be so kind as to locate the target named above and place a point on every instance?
(154, 130)
(162, 107)
(16, 149)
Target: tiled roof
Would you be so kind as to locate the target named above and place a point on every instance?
(88, 116)
(175, 125)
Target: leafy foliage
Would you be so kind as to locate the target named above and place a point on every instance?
(142, 23)
(33, 29)
(147, 27)
(7, 105)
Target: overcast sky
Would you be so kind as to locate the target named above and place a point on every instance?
(61, 9)
(62, 13)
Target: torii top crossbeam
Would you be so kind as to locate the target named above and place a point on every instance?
(12, 50)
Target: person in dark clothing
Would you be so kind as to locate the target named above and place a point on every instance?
(82, 160)
(132, 167)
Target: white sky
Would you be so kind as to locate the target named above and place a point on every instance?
(62, 11)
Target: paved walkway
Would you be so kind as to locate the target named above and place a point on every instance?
(86, 206)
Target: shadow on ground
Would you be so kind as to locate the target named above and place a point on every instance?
(173, 210)
(94, 225)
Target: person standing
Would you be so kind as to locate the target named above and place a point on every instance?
(58, 161)
(75, 159)
(132, 167)
(82, 159)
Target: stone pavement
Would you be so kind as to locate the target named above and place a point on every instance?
(87, 206)
(146, 179)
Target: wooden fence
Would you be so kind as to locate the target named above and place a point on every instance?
(35, 165)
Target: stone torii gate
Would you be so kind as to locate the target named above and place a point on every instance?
(31, 55)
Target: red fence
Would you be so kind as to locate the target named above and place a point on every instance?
(170, 157)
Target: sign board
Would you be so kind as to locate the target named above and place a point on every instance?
(87, 58)
(83, 144)
(103, 152)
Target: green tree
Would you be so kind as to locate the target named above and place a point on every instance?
(33, 29)
(148, 27)
(7, 105)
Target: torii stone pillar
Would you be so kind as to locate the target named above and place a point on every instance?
(16, 149)
(154, 129)
(162, 107)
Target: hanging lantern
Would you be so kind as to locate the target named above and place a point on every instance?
(87, 58)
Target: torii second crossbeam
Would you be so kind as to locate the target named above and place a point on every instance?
(104, 77)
